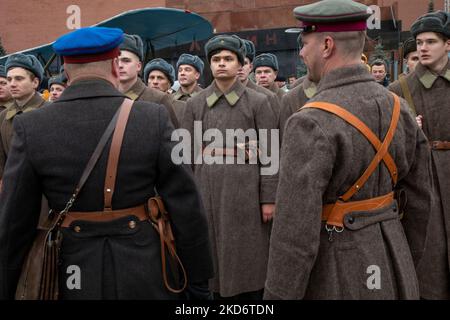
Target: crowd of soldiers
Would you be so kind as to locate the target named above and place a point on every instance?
(363, 179)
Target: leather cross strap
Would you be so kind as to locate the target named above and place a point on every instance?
(97, 152)
(114, 153)
(382, 148)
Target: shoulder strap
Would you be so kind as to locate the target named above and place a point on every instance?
(382, 148)
(407, 93)
(114, 153)
(90, 165)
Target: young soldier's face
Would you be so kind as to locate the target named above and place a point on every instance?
(378, 72)
(244, 72)
(225, 65)
(5, 95)
(129, 66)
(411, 60)
(55, 91)
(265, 76)
(21, 83)
(158, 80)
(187, 75)
(432, 49)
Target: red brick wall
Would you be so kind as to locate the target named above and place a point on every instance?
(29, 23)
(26, 24)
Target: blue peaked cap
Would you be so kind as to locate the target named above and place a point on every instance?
(88, 41)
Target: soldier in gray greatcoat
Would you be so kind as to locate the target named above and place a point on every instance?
(238, 196)
(337, 232)
(427, 90)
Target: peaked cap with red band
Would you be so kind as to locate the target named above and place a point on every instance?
(332, 16)
(89, 44)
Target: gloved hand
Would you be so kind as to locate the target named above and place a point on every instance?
(198, 291)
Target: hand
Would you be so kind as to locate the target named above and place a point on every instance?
(419, 121)
(268, 211)
(198, 291)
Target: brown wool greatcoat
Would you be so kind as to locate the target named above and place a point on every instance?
(140, 92)
(278, 91)
(234, 193)
(181, 96)
(272, 97)
(431, 97)
(321, 158)
(6, 124)
(294, 100)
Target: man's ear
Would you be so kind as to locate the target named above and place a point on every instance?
(328, 46)
(115, 67)
(36, 82)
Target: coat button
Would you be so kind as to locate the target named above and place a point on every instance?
(351, 220)
(132, 224)
(77, 229)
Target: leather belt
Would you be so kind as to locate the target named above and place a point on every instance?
(334, 213)
(103, 216)
(440, 145)
(250, 151)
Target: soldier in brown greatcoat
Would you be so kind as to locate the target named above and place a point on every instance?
(245, 71)
(24, 73)
(295, 99)
(337, 232)
(6, 99)
(427, 90)
(239, 197)
(130, 66)
(266, 70)
(189, 69)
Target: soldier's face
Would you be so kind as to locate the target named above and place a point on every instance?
(432, 49)
(5, 95)
(158, 80)
(129, 66)
(265, 76)
(411, 60)
(244, 72)
(187, 75)
(20, 83)
(225, 65)
(55, 91)
(378, 72)
(310, 54)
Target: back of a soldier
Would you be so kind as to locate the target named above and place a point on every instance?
(76, 129)
(338, 232)
(348, 154)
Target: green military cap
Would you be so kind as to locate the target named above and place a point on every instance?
(250, 50)
(438, 21)
(160, 65)
(191, 60)
(26, 61)
(134, 44)
(332, 16)
(226, 42)
(59, 79)
(266, 60)
(409, 46)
